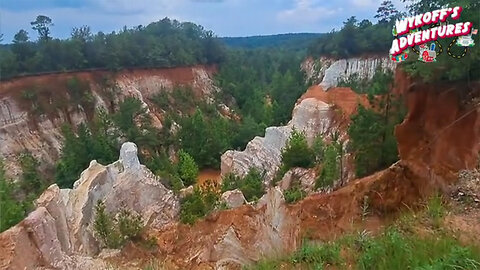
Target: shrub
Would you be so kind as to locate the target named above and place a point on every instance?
(331, 169)
(294, 194)
(115, 232)
(297, 153)
(198, 204)
(187, 168)
(251, 185)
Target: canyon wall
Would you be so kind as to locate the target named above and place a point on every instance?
(439, 137)
(33, 109)
(322, 111)
(328, 72)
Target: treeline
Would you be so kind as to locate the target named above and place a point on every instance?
(165, 43)
(356, 38)
(450, 65)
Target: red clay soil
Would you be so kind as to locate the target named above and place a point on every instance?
(451, 147)
(441, 133)
(343, 97)
(208, 174)
(179, 75)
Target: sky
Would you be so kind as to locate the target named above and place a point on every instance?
(224, 17)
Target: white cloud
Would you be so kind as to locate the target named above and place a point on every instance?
(136, 6)
(366, 3)
(307, 11)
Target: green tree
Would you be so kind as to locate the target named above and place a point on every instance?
(252, 185)
(205, 139)
(97, 142)
(198, 204)
(42, 25)
(114, 231)
(11, 211)
(331, 167)
(297, 153)
(318, 148)
(31, 181)
(371, 134)
(387, 12)
(135, 123)
(187, 168)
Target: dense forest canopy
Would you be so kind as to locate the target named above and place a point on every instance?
(165, 43)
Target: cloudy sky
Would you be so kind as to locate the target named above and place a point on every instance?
(224, 17)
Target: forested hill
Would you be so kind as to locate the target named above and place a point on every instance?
(165, 43)
(293, 41)
(363, 37)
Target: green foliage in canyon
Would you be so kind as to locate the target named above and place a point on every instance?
(251, 184)
(199, 203)
(115, 230)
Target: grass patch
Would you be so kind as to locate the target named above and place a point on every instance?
(318, 254)
(410, 243)
(396, 250)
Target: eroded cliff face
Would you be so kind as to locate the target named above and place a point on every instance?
(33, 109)
(328, 72)
(439, 137)
(317, 113)
(59, 233)
(441, 133)
(435, 115)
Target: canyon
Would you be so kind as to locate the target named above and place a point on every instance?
(438, 138)
(34, 124)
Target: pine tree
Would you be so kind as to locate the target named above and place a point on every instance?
(387, 12)
(11, 212)
(297, 153)
(187, 168)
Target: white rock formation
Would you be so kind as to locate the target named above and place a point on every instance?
(312, 116)
(233, 198)
(59, 232)
(306, 178)
(329, 72)
(275, 233)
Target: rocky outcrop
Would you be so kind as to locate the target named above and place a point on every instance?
(59, 232)
(233, 198)
(328, 72)
(33, 109)
(318, 113)
(313, 117)
(234, 238)
(305, 177)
